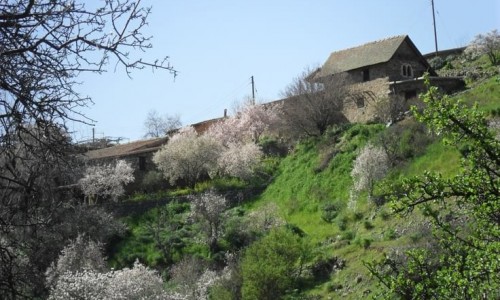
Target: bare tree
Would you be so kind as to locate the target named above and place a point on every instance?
(44, 46)
(310, 107)
(157, 125)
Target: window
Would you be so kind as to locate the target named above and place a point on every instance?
(406, 70)
(142, 163)
(360, 102)
(366, 75)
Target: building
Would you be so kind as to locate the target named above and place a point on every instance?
(384, 76)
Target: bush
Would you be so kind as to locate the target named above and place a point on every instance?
(342, 222)
(347, 235)
(363, 242)
(390, 234)
(368, 225)
(329, 212)
(153, 181)
(270, 266)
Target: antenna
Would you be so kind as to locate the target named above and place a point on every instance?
(434, 22)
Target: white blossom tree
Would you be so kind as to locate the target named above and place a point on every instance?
(248, 124)
(80, 254)
(187, 156)
(370, 166)
(106, 180)
(138, 282)
(193, 279)
(209, 208)
(239, 160)
(488, 44)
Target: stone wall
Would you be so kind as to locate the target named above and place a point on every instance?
(364, 104)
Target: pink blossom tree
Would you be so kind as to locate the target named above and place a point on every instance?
(239, 160)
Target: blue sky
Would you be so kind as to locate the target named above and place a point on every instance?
(218, 45)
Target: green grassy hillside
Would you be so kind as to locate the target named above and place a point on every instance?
(311, 189)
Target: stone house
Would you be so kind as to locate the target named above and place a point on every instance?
(384, 77)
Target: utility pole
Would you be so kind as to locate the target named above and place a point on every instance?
(434, 22)
(253, 91)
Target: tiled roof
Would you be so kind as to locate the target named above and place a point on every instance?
(358, 57)
(132, 148)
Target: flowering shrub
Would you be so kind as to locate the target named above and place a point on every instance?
(106, 180)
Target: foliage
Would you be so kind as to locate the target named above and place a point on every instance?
(158, 237)
(271, 265)
(106, 180)
(167, 230)
(371, 165)
(463, 209)
(138, 282)
(488, 44)
(157, 125)
(187, 156)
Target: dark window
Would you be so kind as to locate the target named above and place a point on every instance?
(360, 101)
(142, 163)
(406, 70)
(366, 75)
(410, 94)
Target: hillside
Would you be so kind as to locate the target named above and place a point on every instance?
(311, 192)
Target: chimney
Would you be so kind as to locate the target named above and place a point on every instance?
(225, 112)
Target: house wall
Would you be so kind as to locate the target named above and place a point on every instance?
(393, 68)
(371, 94)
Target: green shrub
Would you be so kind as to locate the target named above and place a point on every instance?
(329, 212)
(270, 266)
(347, 235)
(390, 234)
(363, 242)
(342, 222)
(153, 181)
(368, 225)
(384, 215)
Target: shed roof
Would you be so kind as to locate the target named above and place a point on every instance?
(128, 149)
(365, 55)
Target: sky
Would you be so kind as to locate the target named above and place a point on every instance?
(217, 45)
